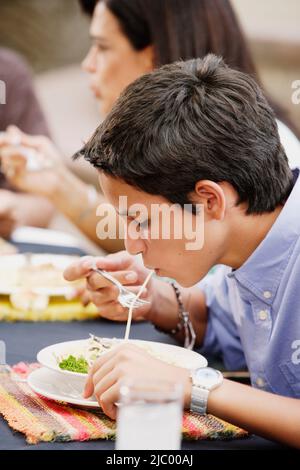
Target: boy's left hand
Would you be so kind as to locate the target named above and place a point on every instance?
(128, 361)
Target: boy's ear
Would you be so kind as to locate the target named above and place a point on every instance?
(212, 197)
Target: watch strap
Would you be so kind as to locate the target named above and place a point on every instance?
(199, 398)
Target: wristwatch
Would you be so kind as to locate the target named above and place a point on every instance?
(203, 381)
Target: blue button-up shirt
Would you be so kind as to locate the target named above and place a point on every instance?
(254, 311)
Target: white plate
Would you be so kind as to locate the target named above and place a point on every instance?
(58, 387)
(177, 355)
(12, 263)
(44, 236)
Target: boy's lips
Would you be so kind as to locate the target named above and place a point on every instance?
(158, 271)
(151, 268)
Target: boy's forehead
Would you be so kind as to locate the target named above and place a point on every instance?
(115, 188)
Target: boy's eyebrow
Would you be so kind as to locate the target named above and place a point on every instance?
(122, 213)
(126, 214)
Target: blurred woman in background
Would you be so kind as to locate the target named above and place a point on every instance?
(21, 108)
(130, 38)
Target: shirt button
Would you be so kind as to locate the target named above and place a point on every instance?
(260, 382)
(267, 294)
(263, 315)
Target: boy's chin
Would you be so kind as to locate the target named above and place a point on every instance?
(188, 281)
(184, 281)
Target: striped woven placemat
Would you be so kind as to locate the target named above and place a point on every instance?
(41, 419)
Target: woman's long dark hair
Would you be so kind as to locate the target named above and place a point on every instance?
(184, 29)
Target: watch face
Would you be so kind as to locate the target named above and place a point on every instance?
(207, 377)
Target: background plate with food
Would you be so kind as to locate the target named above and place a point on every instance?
(39, 274)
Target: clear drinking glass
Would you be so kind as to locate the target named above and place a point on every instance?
(149, 416)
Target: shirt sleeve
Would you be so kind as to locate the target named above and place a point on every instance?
(222, 337)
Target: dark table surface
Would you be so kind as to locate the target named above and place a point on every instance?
(24, 340)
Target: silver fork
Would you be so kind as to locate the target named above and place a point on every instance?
(126, 297)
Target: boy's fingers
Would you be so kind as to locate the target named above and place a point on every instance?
(84, 268)
(115, 262)
(89, 386)
(105, 358)
(108, 399)
(78, 269)
(97, 281)
(103, 296)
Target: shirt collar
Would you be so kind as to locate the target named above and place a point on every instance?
(263, 270)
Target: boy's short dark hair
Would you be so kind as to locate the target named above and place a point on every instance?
(191, 121)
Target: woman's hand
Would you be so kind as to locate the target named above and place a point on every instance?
(129, 362)
(43, 182)
(126, 269)
(8, 221)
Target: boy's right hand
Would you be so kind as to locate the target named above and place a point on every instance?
(126, 269)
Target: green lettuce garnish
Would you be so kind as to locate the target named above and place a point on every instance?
(75, 364)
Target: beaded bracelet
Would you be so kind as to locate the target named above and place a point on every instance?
(183, 324)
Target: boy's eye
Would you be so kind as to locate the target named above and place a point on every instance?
(139, 224)
(143, 224)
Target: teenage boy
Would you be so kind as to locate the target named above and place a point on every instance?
(200, 135)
